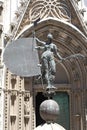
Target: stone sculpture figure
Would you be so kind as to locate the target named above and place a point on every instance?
(26, 107)
(48, 63)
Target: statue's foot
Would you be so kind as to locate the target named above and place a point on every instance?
(50, 88)
(50, 91)
(53, 87)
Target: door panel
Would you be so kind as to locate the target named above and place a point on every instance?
(62, 99)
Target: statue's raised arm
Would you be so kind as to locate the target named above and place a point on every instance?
(39, 41)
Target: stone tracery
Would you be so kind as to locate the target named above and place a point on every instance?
(50, 8)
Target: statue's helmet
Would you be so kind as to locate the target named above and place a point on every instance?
(50, 36)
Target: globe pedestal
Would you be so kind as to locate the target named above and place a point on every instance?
(49, 111)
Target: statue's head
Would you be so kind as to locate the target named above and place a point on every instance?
(50, 36)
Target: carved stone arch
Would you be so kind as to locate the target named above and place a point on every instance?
(69, 40)
(77, 103)
(82, 72)
(62, 75)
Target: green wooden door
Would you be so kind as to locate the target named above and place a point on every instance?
(62, 99)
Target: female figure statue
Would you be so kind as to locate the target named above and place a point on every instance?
(47, 58)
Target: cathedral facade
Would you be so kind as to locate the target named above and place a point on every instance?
(21, 97)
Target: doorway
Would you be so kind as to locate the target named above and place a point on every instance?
(62, 98)
(39, 99)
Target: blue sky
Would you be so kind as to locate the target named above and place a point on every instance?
(85, 1)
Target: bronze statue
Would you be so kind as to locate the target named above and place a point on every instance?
(47, 58)
(48, 62)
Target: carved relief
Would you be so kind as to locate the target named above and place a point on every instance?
(76, 75)
(78, 49)
(75, 71)
(52, 8)
(26, 111)
(26, 106)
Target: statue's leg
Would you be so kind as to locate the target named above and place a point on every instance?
(46, 69)
(52, 72)
(52, 67)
